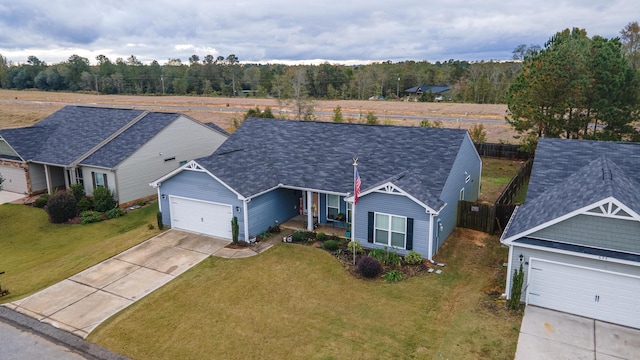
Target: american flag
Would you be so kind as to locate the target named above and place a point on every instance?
(356, 188)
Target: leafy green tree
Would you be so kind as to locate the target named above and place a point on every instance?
(257, 113)
(630, 37)
(477, 133)
(1, 181)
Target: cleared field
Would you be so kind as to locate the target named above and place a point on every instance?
(23, 108)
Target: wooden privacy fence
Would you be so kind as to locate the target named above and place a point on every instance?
(508, 151)
(493, 218)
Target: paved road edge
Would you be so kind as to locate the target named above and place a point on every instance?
(47, 331)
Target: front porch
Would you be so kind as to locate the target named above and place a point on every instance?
(299, 222)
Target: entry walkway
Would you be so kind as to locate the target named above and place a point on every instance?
(82, 302)
(548, 334)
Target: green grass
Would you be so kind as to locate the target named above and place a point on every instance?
(36, 253)
(496, 174)
(298, 302)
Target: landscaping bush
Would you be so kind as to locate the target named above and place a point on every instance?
(41, 201)
(386, 257)
(78, 191)
(103, 199)
(114, 213)
(298, 236)
(159, 220)
(274, 229)
(85, 204)
(369, 267)
(321, 236)
(393, 276)
(88, 217)
(413, 258)
(378, 254)
(330, 245)
(61, 207)
(358, 247)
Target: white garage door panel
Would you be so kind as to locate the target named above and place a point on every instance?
(202, 217)
(601, 295)
(14, 179)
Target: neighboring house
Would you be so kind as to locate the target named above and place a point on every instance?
(439, 92)
(270, 171)
(121, 149)
(578, 233)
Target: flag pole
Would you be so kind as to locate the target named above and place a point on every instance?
(353, 210)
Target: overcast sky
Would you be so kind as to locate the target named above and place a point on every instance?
(351, 31)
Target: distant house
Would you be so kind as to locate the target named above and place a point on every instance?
(577, 235)
(270, 171)
(439, 92)
(120, 149)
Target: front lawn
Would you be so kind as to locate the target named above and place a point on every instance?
(298, 302)
(36, 253)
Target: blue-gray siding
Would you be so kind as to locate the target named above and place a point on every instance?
(278, 205)
(566, 259)
(467, 163)
(201, 186)
(595, 231)
(395, 205)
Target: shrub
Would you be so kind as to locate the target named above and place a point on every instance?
(386, 257)
(103, 199)
(369, 267)
(298, 236)
(235, 229)
(358, 247)
(151, 227)
(89, 217)
(274, 229)
(516, 288)
(114, 213)
(78, 191)
(85, 204)
(330, 245)
(392, 259)
(41, 201)
(159, 220)
(378, 254)
(413, 258)
(61, 207)
(393, 276)
(321, 236)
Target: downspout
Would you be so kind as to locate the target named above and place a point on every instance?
(245, 210)
(430, 251)
(159, 198)
(47, 177)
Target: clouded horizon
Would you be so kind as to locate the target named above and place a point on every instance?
(285, 31)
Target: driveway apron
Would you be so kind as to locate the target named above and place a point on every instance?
(549, 334)
(82, 302)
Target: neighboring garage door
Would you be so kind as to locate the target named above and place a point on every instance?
(201, 216)
(602, 295)
(14, 179)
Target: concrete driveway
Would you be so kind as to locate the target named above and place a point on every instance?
(548, 334)
(7, 196)
(82, 302)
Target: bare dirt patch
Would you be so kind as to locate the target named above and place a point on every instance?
(23, 108)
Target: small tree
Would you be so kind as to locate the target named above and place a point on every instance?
(516, 288)
(235, 229)
(61, 207)
(159, 220)
(372, 119)
(478, 134)
(1, 181)
(103, 199)
(337, 115)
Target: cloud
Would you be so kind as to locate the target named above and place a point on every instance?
(259, 31)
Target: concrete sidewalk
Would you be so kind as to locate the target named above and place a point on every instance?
(548, 334)
(82, 302)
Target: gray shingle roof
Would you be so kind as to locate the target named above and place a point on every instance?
(27, 141)
(123, 145)
(218, 128)
(264, 153)
(568, 175)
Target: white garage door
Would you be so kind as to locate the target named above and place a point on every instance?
(14, 179)
(201, 216)
(602, 295)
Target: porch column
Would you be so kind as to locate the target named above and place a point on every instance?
(309, 211)
(47, 176)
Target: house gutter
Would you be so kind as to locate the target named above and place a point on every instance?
(245, 210)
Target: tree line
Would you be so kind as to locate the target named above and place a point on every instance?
(480, 82)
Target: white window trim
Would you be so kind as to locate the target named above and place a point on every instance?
(349, 212)
(389, 231)
(333, 207)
